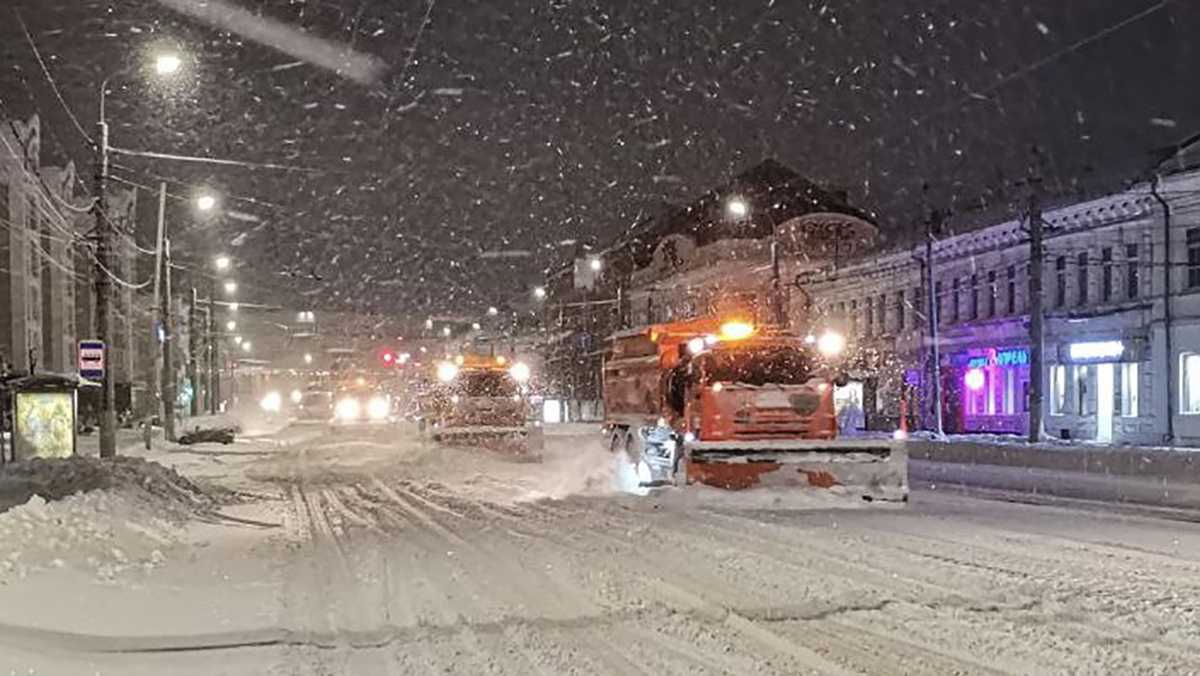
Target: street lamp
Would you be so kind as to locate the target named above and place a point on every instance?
(445, 330)
(230, 286)
(230, 325)
(233, 307)
(492, 312)
(737, 207)
(206, 202)
(595, 264)
(222, 262)
(475, 326)
(246, 346)
(105, 231)
(539, 292)
(167, 64)
(307, 358)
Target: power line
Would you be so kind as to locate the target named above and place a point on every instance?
(215, 160)
(46, 72)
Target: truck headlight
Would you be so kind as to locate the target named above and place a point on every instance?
(271, 402)
(446, 371)
(377, 408)
(348, 409)
(519, 372)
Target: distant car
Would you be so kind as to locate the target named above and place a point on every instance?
(363, 406)
(315, 405)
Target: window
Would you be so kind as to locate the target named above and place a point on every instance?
(1189, 380)
(1129, 389)
(1060, 281)
(900, 310)
(1193, 263)
(1106, 274)
(881, 311)
(974, 297)
(1058, 390)
(854, 318)
(954, 301)
(868, 305)
(991, 294)
(1081, 269)
(1131, 271)
(1012, 289)
(918, 304)
(1084, 402)
(1010, 391)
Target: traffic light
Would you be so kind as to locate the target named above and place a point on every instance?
(387, 357)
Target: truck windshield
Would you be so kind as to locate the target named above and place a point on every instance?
(487, 384)
(779, 366)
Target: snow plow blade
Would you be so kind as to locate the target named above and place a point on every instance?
(520, 442)
(872, 470)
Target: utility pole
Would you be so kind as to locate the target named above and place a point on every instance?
(108, 396)
(214, 387)
(934, 342)
(193, 348)
(1037, 338)
(168, 375)
(208, 352)
(157, 313)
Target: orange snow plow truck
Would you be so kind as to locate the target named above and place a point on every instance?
(730, 405)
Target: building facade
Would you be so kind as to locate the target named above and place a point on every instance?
(1121, 292)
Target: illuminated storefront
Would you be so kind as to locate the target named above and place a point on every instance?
(992, 385)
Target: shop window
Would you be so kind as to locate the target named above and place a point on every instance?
(1060, 281)
(1193, 260)
(1132, 271)
(1010, 391)
(1085, 403)
(1189, 378)
(1058, 389)
(1081, 271)
(1025, 396)
(1129, 389)
(1106, 273)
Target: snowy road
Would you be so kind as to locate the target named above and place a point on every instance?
(393, 556)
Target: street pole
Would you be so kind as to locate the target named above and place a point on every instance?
(103, 286)
(208, 351)
(215, 372)
(157, 313)
(934, 342)
(168, 376)
(193, 348)
(1037, 336)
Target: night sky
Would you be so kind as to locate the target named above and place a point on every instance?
(518, 125)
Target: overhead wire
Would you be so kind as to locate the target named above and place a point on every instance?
(46, 71)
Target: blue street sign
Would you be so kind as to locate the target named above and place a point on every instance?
(91, 359)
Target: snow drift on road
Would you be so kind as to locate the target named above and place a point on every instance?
(103, 517)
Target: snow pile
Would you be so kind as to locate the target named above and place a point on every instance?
(55, 479)
(103, 534)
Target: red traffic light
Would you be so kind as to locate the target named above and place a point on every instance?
(387, 356)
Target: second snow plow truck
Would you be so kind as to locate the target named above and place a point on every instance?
(729, 405)
(481, 400)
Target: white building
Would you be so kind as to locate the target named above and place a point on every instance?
(1121, 291)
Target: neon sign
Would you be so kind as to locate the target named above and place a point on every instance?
(1016, 356)
(1106, 349)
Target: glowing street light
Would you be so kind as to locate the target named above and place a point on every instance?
(539, 292)
(230, 286)
(475, 326)
(237, 340)
(230, 325)
(246, 346)
(222, 262)
(492, 311)
(233, 307)
(737, 207)
(167, 64)
(307, 358)
(445, 330)
(595, 264)
(206, 203)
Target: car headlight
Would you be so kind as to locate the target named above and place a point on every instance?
(446, 371)
(348, 409)
(519, 372)
(271, 402)
(377, 408)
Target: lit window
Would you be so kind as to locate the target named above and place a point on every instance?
(1058, 389)
(1084, 402)
(1010, 391)
(1189, 376)
(1129, 389)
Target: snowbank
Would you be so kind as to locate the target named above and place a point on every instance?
(58, 478)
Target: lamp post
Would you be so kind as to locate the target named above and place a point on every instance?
(738, 208)
(165, 64)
